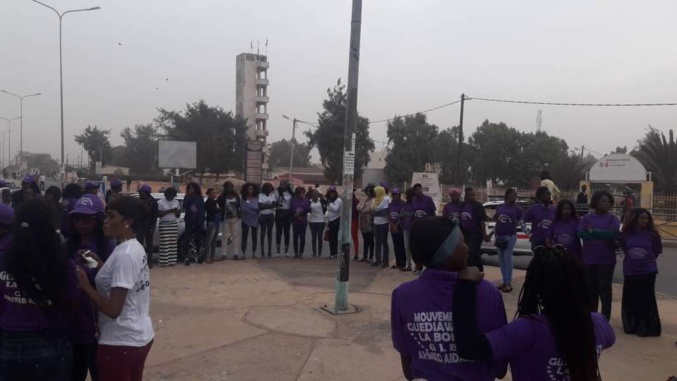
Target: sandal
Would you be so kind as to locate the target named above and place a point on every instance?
(507, 289)
(502, 286)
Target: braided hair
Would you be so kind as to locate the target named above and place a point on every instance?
(555, 287)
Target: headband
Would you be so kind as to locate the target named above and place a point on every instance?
(447, 248)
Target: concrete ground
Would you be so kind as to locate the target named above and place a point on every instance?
(260, 320)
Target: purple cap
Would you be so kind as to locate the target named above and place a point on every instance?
(90, 184)
(28, 179)
(332, 189)
(88, 204)
(6, 214)
(115, 183)
(146, 188)
(395, 191)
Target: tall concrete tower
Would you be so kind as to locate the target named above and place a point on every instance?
(251, 94)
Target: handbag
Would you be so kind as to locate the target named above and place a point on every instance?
(326, 235)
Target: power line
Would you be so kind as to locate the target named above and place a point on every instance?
(574, 104)
(418, 112)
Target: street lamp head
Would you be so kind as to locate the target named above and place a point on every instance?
(94, 8)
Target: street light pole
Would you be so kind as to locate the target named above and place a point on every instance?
(21, 112)
(61, 15)
(9, 138)
(291, 146)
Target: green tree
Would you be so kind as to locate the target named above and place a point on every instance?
(141, 148)
(41, 161)
(221, 137)
(413, 146)
(95, 142)
(658, 154)
(495, 150)
(328, 137)
(539, 151)
(280, 152)
(446, 153)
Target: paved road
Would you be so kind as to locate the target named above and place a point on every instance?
(666, 282)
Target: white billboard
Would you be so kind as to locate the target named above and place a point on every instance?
(618, 168)
(173, 154)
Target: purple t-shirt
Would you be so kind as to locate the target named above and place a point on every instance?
(423, 206)
(422, 327)
(18, 313)
(598, 251)
(540, 216)
(472, 213)
(642, 247)
(565, 233)
(507, 218)
(452, 211)
(394, 210)
(407, 216)
(301, 207)
(529, 343)
(249, 211)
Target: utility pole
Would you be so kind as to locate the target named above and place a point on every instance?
(292, 142)
(342, 276)
(460, 143)
(582, 152)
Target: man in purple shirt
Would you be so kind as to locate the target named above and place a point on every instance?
(421, 317)
(540, 216)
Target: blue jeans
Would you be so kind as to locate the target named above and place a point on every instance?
(382, 249)
(505, 259)
(213, 229)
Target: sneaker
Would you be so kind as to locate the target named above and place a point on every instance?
(394, 267)
(286, 255)
(384, 265)
(236, 257)
(356, 258)
(270, 255)
(186, 262)
(375, 264)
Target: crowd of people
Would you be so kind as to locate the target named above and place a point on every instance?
(459, 330)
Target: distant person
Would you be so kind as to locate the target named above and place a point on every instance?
(546, 181)
(53, 199)
(396, 233)
(355, 227)
(7, 196)
(555, 335)
(122, 294)
(564, 229)
(267, 205)
(38, 296)
(70, 195)
(366, 210)
(381, 226)
(473, 225)
(129, 184)
(283, 216)
(230, 204)
(334, 205)
(422, 206)
(582, 201)
(406, 220)
(508, 216)
(540, 216)
(148, 230)
(317, 186)
(421, 310)
(300, 206)
(92, 188)
(115, 190)
(169, 211)
(600, 231)
(28, 186)
(249, 210)
(194, 218)
(316, 221)
(42, 182)
(6, 227)
(452, 209)
(213, 221)
(629, 203)
(642, 245)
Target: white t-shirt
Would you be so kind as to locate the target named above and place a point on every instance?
(267, 200)
(316, 212)
(127, 267)
(334, 209)
(164, 204)
(382, 219)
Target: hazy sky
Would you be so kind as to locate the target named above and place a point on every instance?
(416, 54)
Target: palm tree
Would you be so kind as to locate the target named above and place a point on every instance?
(659, 155)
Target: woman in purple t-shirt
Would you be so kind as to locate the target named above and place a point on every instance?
(300, 207)
(421, 312)
(556, 336)
(38, 297)
(642, 245)
(564, 229)
(508, 215)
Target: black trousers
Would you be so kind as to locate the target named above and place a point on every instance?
(599, 279)
(266, 222)
(84, 360)
(316, 237)
(334, 227)
(474, 242)
(282, 227)
(145, 237)
(299, 239)
(367, 245)
(245, 232)
(639, 309)
(399, 249)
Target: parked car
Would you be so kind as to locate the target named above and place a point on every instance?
(182, 225)
(523, 245)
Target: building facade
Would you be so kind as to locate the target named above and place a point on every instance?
(251, 94)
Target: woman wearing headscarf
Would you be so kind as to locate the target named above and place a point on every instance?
(334, 204)
(421, 310)
(366, 208)
(380, 207)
